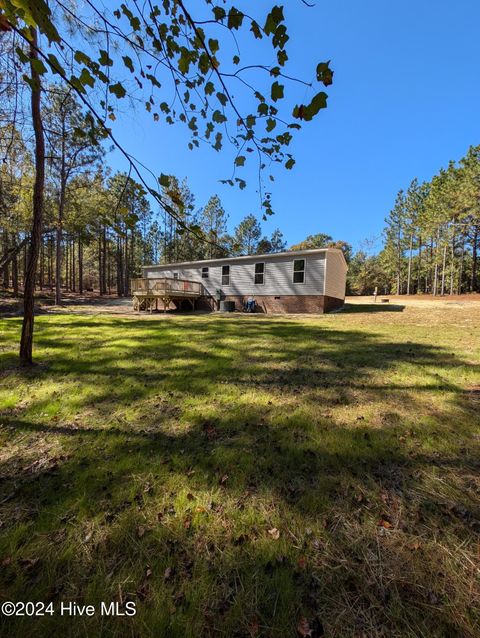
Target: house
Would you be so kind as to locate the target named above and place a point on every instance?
(288, 282)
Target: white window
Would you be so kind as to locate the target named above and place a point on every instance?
(299, 271)
(260, 273)
(205, 272)
(225, 275)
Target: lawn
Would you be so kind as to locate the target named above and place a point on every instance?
(244, 475)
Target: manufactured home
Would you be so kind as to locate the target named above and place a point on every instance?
(311, 281)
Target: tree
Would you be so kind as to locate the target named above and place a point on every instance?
(247, 236)
(274, 244)
(320, 240)
(213, 222)
(393, 252)
(164, 46)
(74, 146)
(26, 339)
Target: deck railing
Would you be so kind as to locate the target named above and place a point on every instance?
(165, 286)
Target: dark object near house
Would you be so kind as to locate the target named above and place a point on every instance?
(227, 306)
(384, 300)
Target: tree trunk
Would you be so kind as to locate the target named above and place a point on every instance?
(452, 265)
(73, 269)
(26, 341)
(80, 265)
(6, 269)
(444, 263)
(419, 266)
(61, 209)
(15, 269)
(460, 274)
(42, 257)
(409, 274)
(100, 264)
(12, 253)
(474, 284)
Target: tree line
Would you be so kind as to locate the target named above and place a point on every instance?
(432, 234)
(99, 226)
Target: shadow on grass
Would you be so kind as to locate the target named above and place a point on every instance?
(372, 307)
(236, 436)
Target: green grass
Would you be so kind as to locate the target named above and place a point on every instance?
(149, 459)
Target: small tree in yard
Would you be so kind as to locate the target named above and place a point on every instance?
(183, 64)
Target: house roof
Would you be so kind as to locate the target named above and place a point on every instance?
(222, 260)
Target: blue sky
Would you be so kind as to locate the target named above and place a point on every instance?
(405, 100)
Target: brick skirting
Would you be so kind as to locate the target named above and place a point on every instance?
(295, 304)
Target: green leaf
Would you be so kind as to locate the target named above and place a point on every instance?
(164, 180)
(235, 18)
(324, 73)
(55, 64)
(290, 163)
(280, 37)
(236, 59)
(273, 20)
(306, 113)
(222, 98)
(38, 66)
(271, 124)
(255, 29)
(209, 88)
(218, 117)
(262, 108)
(277, 91)
(128, 63)
(213, 45)
(105, 59)
(282, 57)
(240, 160)
(118, 90)
(86, 78)
(219, 13)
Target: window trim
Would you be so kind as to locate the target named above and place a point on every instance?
(259, 263)
(299, 283)
(227, 276)
(205, 272)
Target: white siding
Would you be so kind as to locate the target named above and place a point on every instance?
(278, 276)
(336, 275)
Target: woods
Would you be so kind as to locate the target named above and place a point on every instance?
(433, 233)
(167, 45)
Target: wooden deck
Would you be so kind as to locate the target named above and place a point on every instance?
(148, 292)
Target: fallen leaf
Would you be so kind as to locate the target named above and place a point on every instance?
(141, 531)
(384, 523)
(303, 628)
(274, 533)
(302, 562)
(224, 479)
(167, 575)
